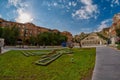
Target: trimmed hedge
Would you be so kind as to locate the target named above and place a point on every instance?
(27, 53)
(47, 60)
(118, 46)
(40, 53)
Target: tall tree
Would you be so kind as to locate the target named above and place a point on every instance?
(118, 34)
(80, 37)
(10, 35)
(1, 31)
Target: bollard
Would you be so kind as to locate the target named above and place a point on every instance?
(0, 50)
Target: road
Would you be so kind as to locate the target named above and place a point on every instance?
(107, 65)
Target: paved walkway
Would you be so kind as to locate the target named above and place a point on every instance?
(107, 64)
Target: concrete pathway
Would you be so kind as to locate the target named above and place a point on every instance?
(107, 65)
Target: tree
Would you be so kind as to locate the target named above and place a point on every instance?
(49, 38)
(1, 31)
(10, 35)
(43, 38)
(32, 40)
(102, 36)
(15, 33)
(62, 38)
(80, 37)
(118, 34)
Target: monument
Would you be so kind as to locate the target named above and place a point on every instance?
(1, 44)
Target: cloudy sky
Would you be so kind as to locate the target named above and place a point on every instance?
(72, 15)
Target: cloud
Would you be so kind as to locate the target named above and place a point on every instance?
(87, 11)
(23, 17)
(21, 9)
(114, 3)
(103, 24)
(55, 4)
(14, 2)
(72, 4)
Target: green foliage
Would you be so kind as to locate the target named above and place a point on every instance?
(49, 38)
(1, 31)
(81, 37)
(14, 65)
(32, 40)
(118, 32)
(118, 46)
(10, 35)
(103, 37)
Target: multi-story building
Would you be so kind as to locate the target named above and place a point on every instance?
(29, 29)
(93, 40)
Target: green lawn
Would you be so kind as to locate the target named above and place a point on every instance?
(16, 66)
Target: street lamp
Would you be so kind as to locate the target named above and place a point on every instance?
(1, 44)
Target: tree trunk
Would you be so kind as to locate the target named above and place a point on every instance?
(80, 44)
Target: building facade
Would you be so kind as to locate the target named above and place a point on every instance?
(29, 29)
(93, 40)
(68, 34)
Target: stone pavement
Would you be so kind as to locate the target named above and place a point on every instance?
(107, 65)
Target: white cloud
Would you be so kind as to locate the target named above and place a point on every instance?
(86, 2)
(14, 2)
(69, 3)
(103, 24)
(72, 3)
(111, 5)
(55, 4)
(114, 3)
(87, 11)
(23, 15)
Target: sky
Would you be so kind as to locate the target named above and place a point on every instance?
(75, 16)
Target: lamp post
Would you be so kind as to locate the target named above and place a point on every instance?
(0, 50)
(1, 45)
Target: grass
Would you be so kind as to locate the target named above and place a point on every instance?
(118, 46)
(16, 66)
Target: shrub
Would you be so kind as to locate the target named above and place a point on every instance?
(118, 46)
